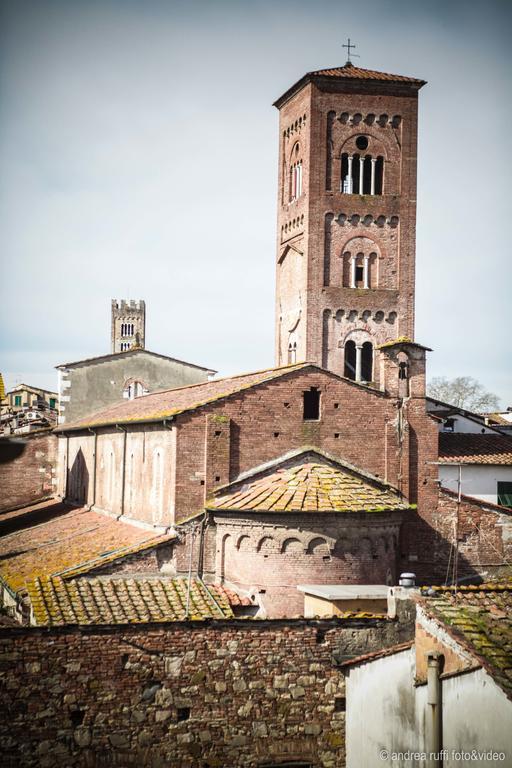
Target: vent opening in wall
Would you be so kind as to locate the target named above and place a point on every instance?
(311, 400)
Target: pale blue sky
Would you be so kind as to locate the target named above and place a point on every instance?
(138, 149)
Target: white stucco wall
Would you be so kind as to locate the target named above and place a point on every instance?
(476, 716)
(479, 480)
(385, 711)
(381, 712)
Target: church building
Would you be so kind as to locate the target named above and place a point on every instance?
(324, 469)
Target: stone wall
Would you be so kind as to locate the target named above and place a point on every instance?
(217, 694)
(29, 478)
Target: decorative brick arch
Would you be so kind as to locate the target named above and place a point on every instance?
(243, 541)
(266, 543)
(318, 545)
(381, 144)
(292, 544)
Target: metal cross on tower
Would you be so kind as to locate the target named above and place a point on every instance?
(349, 45)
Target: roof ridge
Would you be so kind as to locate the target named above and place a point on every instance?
(94, 420)
(126, 352)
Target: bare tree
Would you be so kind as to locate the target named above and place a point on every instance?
(463, 392)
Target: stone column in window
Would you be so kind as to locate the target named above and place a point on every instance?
(361, 174)
(359, 352)
(372, 181)
(349, 174)
(366, 271)
(353, 271)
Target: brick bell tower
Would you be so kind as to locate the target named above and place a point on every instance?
(347, 215)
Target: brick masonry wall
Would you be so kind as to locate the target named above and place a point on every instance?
(268, 555)
(30, 477)
(213, 694)
(310, 285)
(267, 422)
(483, 533)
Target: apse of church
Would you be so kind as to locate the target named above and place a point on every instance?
(346, 222)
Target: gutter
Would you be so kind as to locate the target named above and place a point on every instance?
(94, 468)
(125, 431)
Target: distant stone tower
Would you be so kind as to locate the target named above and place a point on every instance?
(128, 325)
(347, 215)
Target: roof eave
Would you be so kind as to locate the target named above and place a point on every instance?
(310, 77)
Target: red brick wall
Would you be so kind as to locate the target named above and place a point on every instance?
(29, 478)
(483, 538)
(266, 422)
(256, 691)
(268, 556)
(303, 223)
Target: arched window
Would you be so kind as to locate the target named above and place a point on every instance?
(134, 388)
(350, 360)
(359, 361)
(292, 352)
(367, 361)
(361, 174)
(295, 174)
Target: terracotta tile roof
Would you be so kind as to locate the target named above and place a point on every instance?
(480, 618)
(171, 402)
(471, 448)
(127, 601)
(475, 501)
(73, 542)
(498, 418)
(403, 340)
(309, 485)
(381, 653)
(358, 73)
(349, 72)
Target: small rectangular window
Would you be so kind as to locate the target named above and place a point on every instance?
(311, 404)
(505, 494)
(17, 400)
(52, 402)
(359, 274)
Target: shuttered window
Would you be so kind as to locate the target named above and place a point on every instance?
(505, 494)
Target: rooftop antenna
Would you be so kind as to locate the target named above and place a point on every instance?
(348, 45)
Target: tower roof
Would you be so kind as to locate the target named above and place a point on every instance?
(347, 73)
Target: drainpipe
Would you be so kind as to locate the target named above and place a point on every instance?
(94, 468)
(66, 477)
(124, 467)
(434, 710)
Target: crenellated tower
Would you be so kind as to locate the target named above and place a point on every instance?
(128, 327)
(347, 216)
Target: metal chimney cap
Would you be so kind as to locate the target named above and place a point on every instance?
(407, 580)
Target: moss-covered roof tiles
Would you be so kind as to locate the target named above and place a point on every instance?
(74, 542)
(469, 448)
(310, 486)
(128, 601)
(480, 618)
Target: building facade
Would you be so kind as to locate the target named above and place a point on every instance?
(86, 386)
(269, 479)
(346, 222)
(128, 327)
